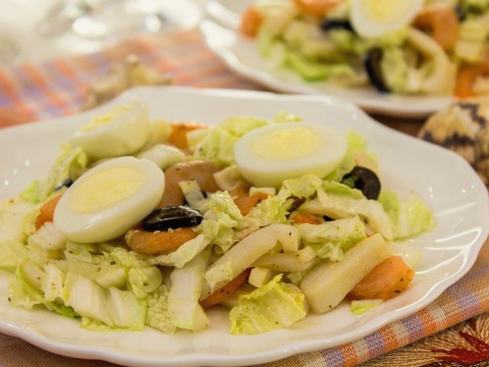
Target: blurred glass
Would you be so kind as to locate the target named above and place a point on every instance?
(112, 19)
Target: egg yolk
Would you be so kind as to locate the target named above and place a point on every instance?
(105, 189)
(104, 119)
(292, 143)
(382, 10)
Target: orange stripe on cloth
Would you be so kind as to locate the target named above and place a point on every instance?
(18, 105)
(42, 83)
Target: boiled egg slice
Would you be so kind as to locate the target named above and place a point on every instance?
(375, 18)
(163, 155)
(122, 131)
(271, 154)
(108, 200)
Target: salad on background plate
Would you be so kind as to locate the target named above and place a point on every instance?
(147, 223)
(418, 47)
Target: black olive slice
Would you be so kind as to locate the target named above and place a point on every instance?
(295, 204)
(373, 68)
(364, 180)
(162, 219)
(66, 183)
(336, 24)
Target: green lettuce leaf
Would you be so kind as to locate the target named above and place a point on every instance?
(331, 239)
(273, 305)
(218, 145)
(408, 218)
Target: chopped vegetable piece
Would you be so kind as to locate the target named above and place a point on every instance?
(220, 294)
(178, 135)
(260, 276)
(183, 297)
(273, 305)
(327, 284)
(239, 257)
(386, 280)
(200, 171)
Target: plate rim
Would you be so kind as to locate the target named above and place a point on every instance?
(110, 353)
(267, 79)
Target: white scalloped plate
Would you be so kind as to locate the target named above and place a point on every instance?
(443, 179)
(242, 57)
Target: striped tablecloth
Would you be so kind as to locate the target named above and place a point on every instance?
(57, 87)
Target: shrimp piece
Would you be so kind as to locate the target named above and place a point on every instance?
(442, 22)
(466, 78)
(200, 171)
(150, 243)
(46, 213)
(250, 22)
(299, 218)
(386, 280)
(222, 293)
(317, 8)
(246, 203)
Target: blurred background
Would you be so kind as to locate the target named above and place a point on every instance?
(36, 30)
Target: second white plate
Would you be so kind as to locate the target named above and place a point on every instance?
(241, 56)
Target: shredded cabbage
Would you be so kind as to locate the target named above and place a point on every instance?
(220, 220)
(70, 164)
(273, 305)
(183, 254)
(158, 316)
(331, 239)
(218, 145)
(408, 218)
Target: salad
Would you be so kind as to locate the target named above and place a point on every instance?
(145, 223)
(416, 47)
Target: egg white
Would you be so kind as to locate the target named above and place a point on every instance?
(114, 220)
(125, 131)
(375, 18)
(163, 155)
(264, 171)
